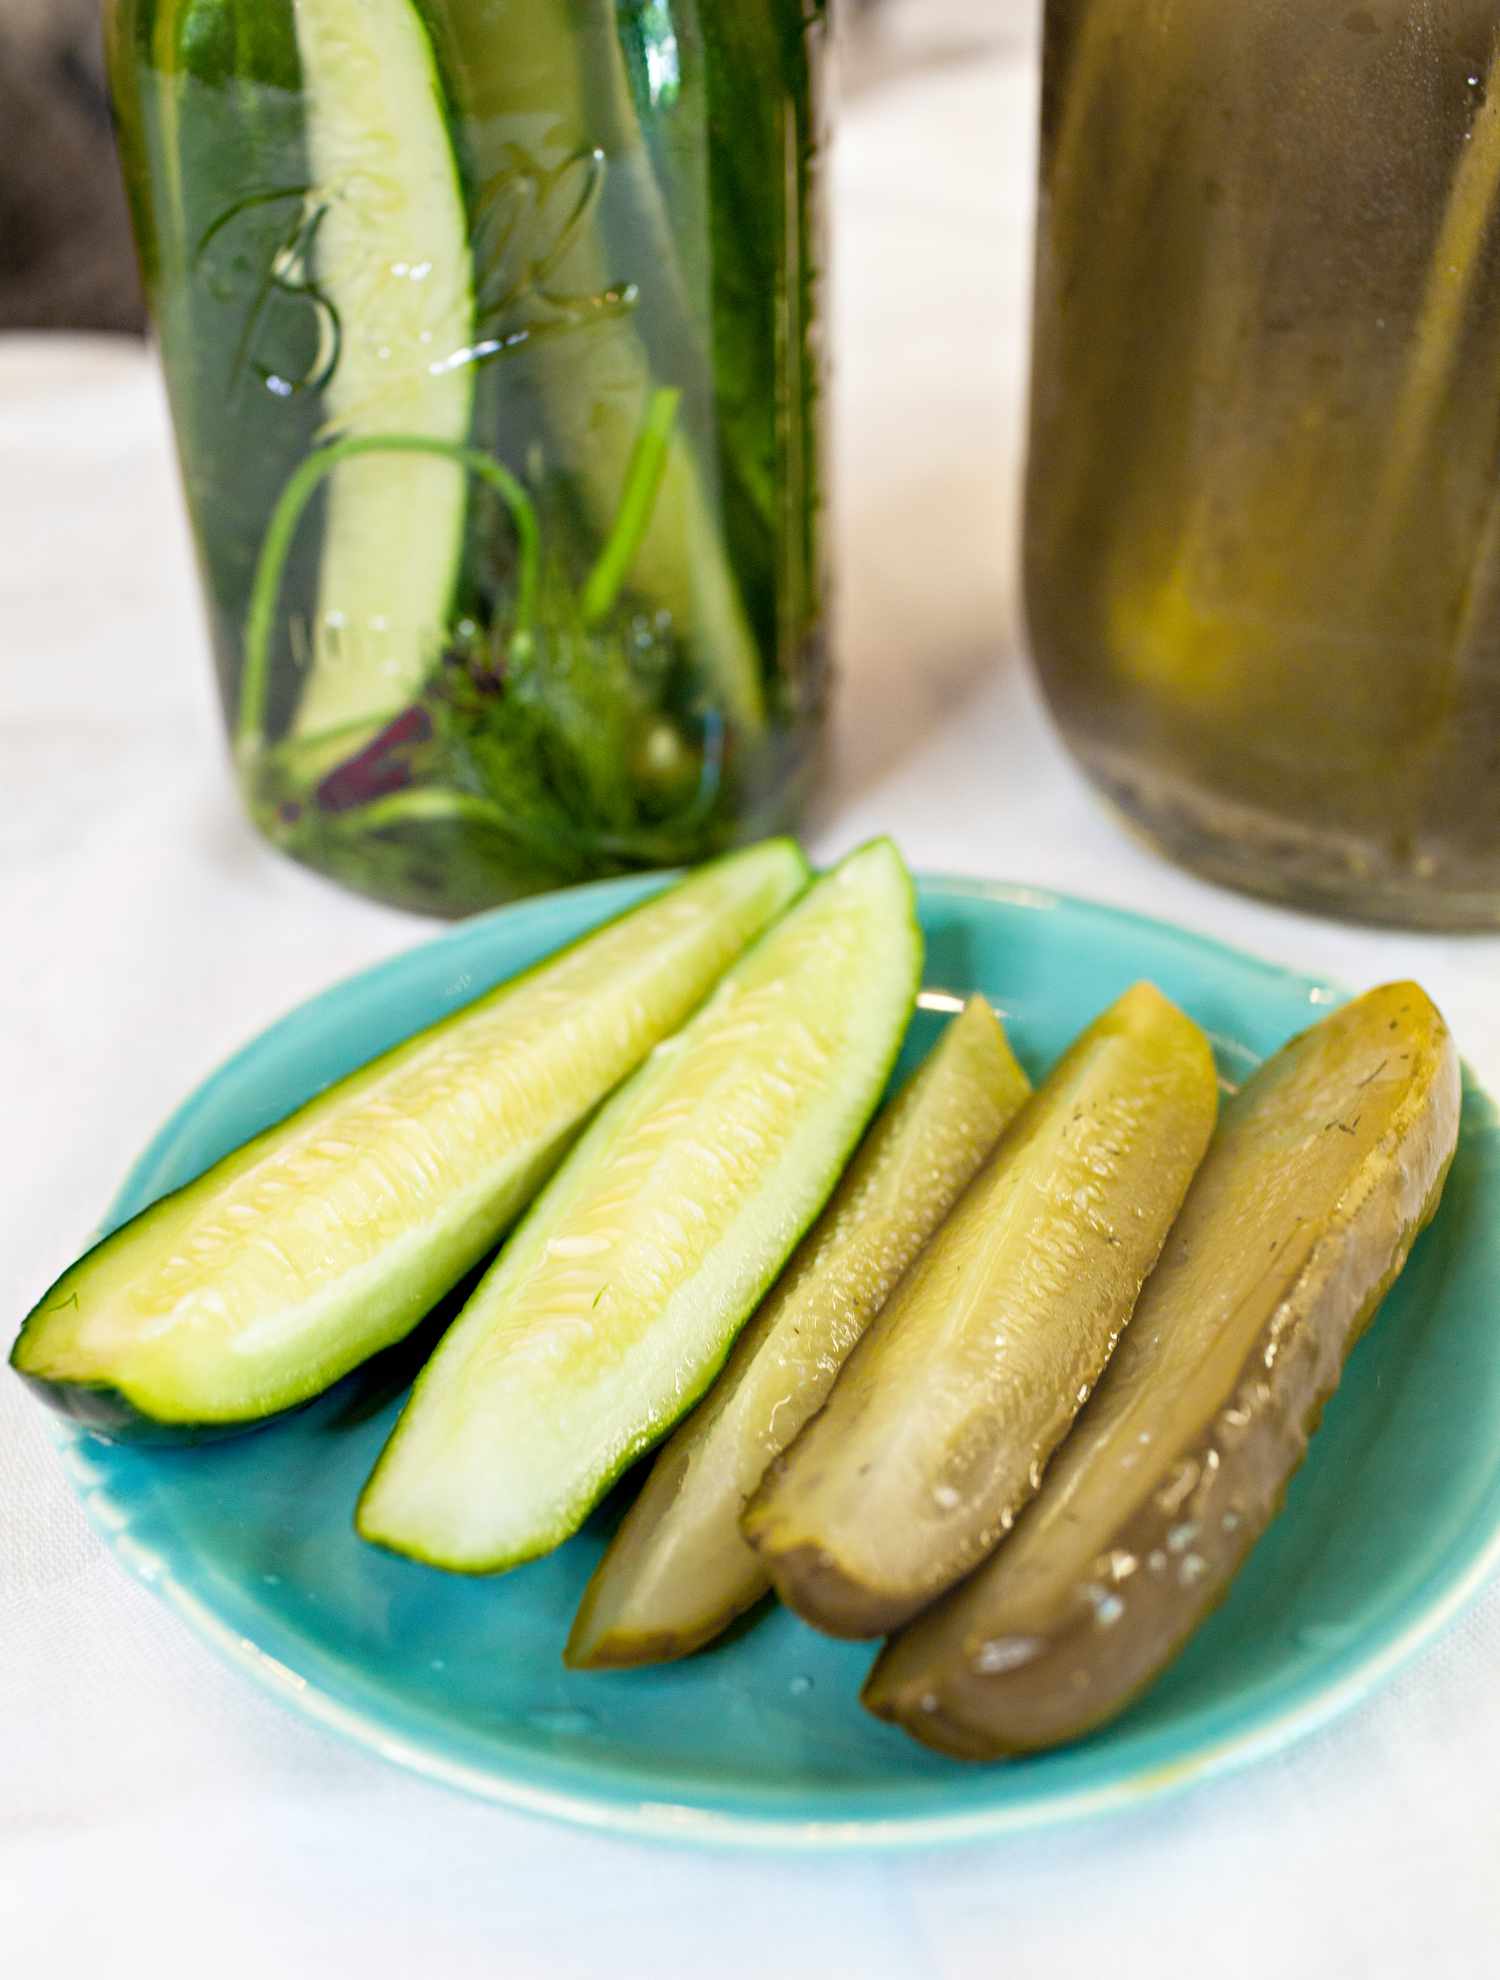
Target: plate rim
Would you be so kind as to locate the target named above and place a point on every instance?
(613, 1807)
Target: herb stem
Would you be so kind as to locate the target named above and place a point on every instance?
(285, 517)
(643, 474)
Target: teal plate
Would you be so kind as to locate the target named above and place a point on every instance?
(1389, 1528)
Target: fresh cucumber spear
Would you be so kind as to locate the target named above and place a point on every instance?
(678, 1570)
(616, 1300)
(330, 1235)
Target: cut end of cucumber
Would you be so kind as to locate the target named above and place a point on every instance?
(616, 1301)
(668, 1585)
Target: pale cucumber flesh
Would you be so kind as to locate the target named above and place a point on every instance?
(331, 1234)
(1328, 1163)
(678, 1570)
(939, 1425)
(618, 1297)
(391, 257)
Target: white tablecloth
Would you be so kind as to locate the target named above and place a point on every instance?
(159, 1817)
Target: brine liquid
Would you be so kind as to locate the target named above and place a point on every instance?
(1263, 525)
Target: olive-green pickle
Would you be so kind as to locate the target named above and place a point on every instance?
(1328, 1163)
(937, 1430)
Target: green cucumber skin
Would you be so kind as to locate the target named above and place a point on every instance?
(107, 1410)
(101, 1407)
(666, 1421)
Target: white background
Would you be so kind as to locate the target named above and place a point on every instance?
(159, 1817)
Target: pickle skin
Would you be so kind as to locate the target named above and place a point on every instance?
(678, 1571)
(1011, 1663)
(937, 1430)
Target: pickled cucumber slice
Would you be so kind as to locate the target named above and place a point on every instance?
(330, 1235)
(612, 1307)
(678, 1570)
(390, 259)
(546, 103)
(1329, 1162)
(937, 1430)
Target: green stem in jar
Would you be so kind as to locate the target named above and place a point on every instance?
(441, 804)
(294, 498)
(643, 476)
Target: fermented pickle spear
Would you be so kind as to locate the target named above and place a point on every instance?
(937, 1430)
(678, 1570)
(1329, 1163)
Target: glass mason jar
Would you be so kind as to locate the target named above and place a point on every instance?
(1263, 508)
(491, 335)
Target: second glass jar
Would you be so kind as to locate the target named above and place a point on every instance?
(491, 333)
(1263, 512)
